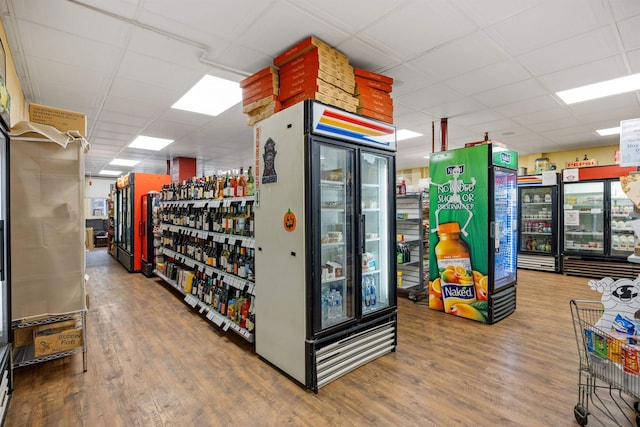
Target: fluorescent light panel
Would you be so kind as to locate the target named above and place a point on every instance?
(150, 143)
(211, 96)
(124, 162)
(109, 172)
(406, 134)
(608, 131)
(600, 90)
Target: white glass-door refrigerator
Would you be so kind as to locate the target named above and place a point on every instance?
(5, 325)
(324, 236)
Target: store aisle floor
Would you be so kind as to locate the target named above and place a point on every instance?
(152, 361)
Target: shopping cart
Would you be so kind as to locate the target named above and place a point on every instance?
(609, 365)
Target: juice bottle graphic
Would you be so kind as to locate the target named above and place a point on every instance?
(454, 265)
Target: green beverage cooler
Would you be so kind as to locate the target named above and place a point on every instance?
(473, 236)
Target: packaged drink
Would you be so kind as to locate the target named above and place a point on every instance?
(454, 265)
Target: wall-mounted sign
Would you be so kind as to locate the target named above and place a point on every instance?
(582, 163)
(630, 142)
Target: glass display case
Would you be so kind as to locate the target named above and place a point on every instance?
(584, 220)
(374, 193)
(336, 219)
(622, 236)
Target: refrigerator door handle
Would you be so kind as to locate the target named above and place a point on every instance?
(2, 250)
(362, 234)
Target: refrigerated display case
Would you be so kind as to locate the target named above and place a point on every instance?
(597, 236)
(325, 233)
(5, 297)
(474, 224)
(149, 241)
(538, 241)
(129, 223)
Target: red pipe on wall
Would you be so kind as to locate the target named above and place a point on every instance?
(443, 133)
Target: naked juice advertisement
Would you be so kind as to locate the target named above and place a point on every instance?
(459, 215)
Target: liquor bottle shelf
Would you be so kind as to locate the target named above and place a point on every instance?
(216, 318)
(229, 278)
(232, 239)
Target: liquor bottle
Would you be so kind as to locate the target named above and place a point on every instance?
(250, 188)
(221, 182)
(242, 264)
(244, 312)
(234, 186)
(242, 184)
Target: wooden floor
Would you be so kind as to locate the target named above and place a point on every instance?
(152, 361)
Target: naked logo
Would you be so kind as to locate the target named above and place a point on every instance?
(455, 170)
(505, 157)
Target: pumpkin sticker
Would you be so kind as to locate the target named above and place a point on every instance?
(289, 221)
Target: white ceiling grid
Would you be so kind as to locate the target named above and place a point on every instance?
(488, 66)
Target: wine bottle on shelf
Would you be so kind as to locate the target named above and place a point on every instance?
(250, 183)
(242, 184)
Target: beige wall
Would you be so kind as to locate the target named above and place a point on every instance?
(604, 156)
(19, 107)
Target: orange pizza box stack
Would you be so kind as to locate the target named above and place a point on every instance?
(373, 92)
(260, 95)
(314, 70)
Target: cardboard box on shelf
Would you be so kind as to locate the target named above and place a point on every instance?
(372, 76)
(375, 115)
(23, 336)
(63, 120)
(56, 337)
(270, 70)
(267, 85)
(374, 94)
(362, 82)
(246, 108)
(375, 105)
(300, 48)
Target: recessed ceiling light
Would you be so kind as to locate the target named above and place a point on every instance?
(124, 162)
(150, 143)
(600, 90)
(406, 134)
(211, 96)
(608, 131)
(109, 172)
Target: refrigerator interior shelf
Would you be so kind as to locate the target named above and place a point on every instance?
(336, 279)
(585, 233)
(370, 185)
(373, 308)
(621, 230)
(410, 263)
(626, 216)
(332, 183)
(535, 233)
(575, 248)
(333, 245)
(525, 204)
(369, 272)
(377, 239)
(414, 241)
(332, 210)
(370, 210)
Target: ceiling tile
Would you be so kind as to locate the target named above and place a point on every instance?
(487, 13)
(350, 16)
(630, 33)
(530, 105)
(582, 49)
(624, 9)
(432, 29)
(460, 56)
(423, 98)
(604, 69)
(407, 79)
(363, 55)
(511, 93)
(546, 23)
(489, 77)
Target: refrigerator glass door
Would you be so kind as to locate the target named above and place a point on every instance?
(337, 239)
(536, 220)
(583, 213)
(505, 227)
(374, 226)
(622, 235)
(4, 303)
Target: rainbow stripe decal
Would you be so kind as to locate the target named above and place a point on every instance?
(336, 123)
(530, 180)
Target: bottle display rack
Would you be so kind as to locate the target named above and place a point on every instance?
(206, 253)
(411, 239)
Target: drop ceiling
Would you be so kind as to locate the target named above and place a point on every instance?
(488, 66)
